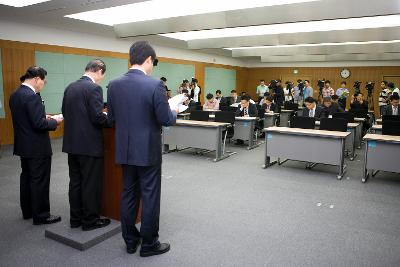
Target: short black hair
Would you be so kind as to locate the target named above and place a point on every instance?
(185, 91)
(327, 81)
(163, 79)
(279, 80)
(209, 96)
(262, 80)
(185, 81)
(343, 82)
(218, 92)
(391, 85)
(194, 80)
(140, 51)
(299, 80)
(310, 100)
(95, 65)
(269, 98)
(245, 97)
(233, 91)
(266, 94)
(307, 81)
(243, 93)
(334, 97)
(33, 72)
(385, 82)
(394, 96)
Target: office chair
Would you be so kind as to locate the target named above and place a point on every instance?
(344, 115)
(390, 118)
(302, 122)
(334, 124)
(229, 117)
(391, 127)
(198, 115)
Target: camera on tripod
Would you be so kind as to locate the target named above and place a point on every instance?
(273, 84)
(356, 86)
(370, 87)
(300, 85)
(321, 85)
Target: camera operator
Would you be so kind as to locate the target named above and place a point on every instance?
(279, 95)
(393, 89)
(298, 92)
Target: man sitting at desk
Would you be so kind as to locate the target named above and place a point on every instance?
(211, 103)
(329, 107)
(393, 108)
(246, 109)
(312, 110)
(268, 106)
(234, 97)
(222, 100)
(358, 103)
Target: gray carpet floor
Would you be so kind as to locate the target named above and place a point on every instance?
(229, 213)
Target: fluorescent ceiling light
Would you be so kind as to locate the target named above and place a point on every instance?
(21, 3)
(161, 9)
(295, 27)
(312, 45)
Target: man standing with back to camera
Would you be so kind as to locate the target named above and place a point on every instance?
(82, 108)
(138, 106)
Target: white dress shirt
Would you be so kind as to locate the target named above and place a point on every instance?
(30, 86)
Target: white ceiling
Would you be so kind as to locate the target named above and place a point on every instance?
(52, 14)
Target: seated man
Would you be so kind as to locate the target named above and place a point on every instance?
(246, 109)
(234, 97)
(358, 103)
(312, 110)
(329, 107)
(192, 105)
(262, 100)
(222, 100)
(393, 108)
(211, 103)
(269, 106)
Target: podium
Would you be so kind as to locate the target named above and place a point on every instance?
(112, 180)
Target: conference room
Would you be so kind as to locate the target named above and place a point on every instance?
(199, 133)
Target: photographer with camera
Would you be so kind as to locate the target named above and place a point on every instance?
(298, 94)
(393, 89)
(383, 97)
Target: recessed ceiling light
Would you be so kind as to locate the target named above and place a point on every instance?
(295, 27)
(161, 9)
(312, 45)
(21, 3)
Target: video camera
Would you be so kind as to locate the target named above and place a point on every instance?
(273, 84)
(321, 85)
(301, 86)
(370, 87)
(356, 86)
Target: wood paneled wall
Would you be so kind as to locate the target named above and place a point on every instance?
(362, 74)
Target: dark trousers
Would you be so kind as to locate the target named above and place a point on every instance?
(85, 188)
(141, 183)
(34, 187)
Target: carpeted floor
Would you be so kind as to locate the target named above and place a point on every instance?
(229, 213)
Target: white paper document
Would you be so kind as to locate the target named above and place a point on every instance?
(58, 116)
(177, 101)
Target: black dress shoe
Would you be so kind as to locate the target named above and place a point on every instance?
(132, 249)
(162, 248)
(98, 224)
(48, 220)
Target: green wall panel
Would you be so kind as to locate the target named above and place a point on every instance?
(218, 78)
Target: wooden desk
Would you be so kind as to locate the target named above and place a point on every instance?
(244, 130)
(307, 145)
(112, 180)
(195, 134)
(381, 153)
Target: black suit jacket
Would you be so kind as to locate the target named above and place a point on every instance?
(388, 110)
(138, 105)
(31, 136)
(279, 96)
(273, 107)
(357, 106)
(252, 111)
(318, 112)
(82, 108)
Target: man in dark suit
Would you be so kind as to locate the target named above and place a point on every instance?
(246, 109)
(82, 108)
(278, 94)
(32, 144)
(138, 105)
(312, 110)
(269, 105)
(358, 103)
(393, 108)
(234, 98)
(329, 107)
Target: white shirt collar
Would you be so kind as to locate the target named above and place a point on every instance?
(89, 77)
(30, 86)
(138, 68)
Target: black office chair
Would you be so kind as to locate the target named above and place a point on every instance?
(334, 124)
(291, 106)
(229, 117)
(390, 118)
(344, 115)
(391, 127)
(302, 122)
(198, 115)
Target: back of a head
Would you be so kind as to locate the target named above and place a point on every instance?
(95, 65)
(140, 51)
(245, 97)
(391, 85)
(209, 96)
(34, 72)
(310, 100)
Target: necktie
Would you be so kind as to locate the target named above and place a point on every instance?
(312, 113)
(395, 111)
(246, 112)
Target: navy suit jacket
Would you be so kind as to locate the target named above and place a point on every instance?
(253, 112)
(138, 106)
(82, 108)
(31, 136)
(318, 112)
